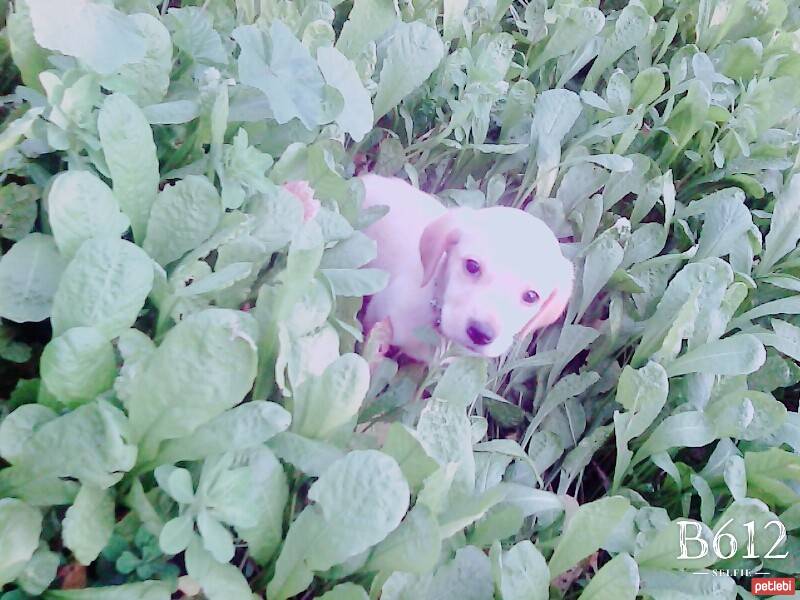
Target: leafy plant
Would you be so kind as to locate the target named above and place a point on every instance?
(189, 400)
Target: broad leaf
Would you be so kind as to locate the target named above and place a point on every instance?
(183, 216)
(413, 52)
(587, 531)
(205, 365)
(97, 34)
(104, 287)
(29, 276)
(81, 206)
(20, 527)
(89, 522)
(130, 153)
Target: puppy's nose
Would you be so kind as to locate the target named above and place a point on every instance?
(481, 334)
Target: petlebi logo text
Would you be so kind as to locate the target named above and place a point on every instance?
(724, 544)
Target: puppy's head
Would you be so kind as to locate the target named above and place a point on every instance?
(502, 274)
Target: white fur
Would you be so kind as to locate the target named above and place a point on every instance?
(515, 250)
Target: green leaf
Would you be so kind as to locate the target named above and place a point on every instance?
(647, 86)
(193, 33)
(413, 547)
(78, 365)
(768, 473)
(40, 571)
(218, 581)
(413, 52)
(183, 216)
(565, 388)
(323, 405)
(736, 355)
(462, 381)
(243, 172)
(788, 306)
(468, 576)
(643, 392)
(741, 512)
(602, 259)
(104, 287)
(727, 220)
(356, 117)
(360, 499)
(20, 527)
(172, 113)
(499, 523)
(146, 82)
(402, 445)
(579, 457)
(176, 483)
(406, 586)
(89, 444)
(272, 493)
(356, 282)
(587, 531)
(661, 548)
(746, 415)
(18, 210)
(134, 347)
(279, 217)
(530, 500)
(555, 112)
(631, 28)
(292, 571)
(570, 33)
(524, 574)
(177, 534)
(618, 92)
(312, 457)
(461, 511)
(145, 590)
(17, 128)
(785, 339)
(346, 591)
(29, 276)
(245, 426)
(205, 365)
(89, 522)
(708, 280)
(352, 253)
(364, 493)
(97, 34)
(784, 229)
(445, 434)
(221, 279)
(452, 19)
(216, 537)
(688, 429)
(617, 580)
(29, 57)
(368, 21)
(130, 153)
(283, 69)
(80, 207)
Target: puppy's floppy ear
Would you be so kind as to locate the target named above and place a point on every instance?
(438, 237)
(555, 303)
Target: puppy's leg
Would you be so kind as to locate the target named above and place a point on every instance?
(378, 341)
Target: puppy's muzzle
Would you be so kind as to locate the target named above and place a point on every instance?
(481, 334)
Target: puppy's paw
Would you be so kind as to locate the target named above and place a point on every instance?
(378, 341)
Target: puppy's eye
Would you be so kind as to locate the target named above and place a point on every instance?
(530, 297)
(472, 267)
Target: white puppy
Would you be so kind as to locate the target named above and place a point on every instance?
(479, 277)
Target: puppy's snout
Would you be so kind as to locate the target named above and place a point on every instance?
(481, 334)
